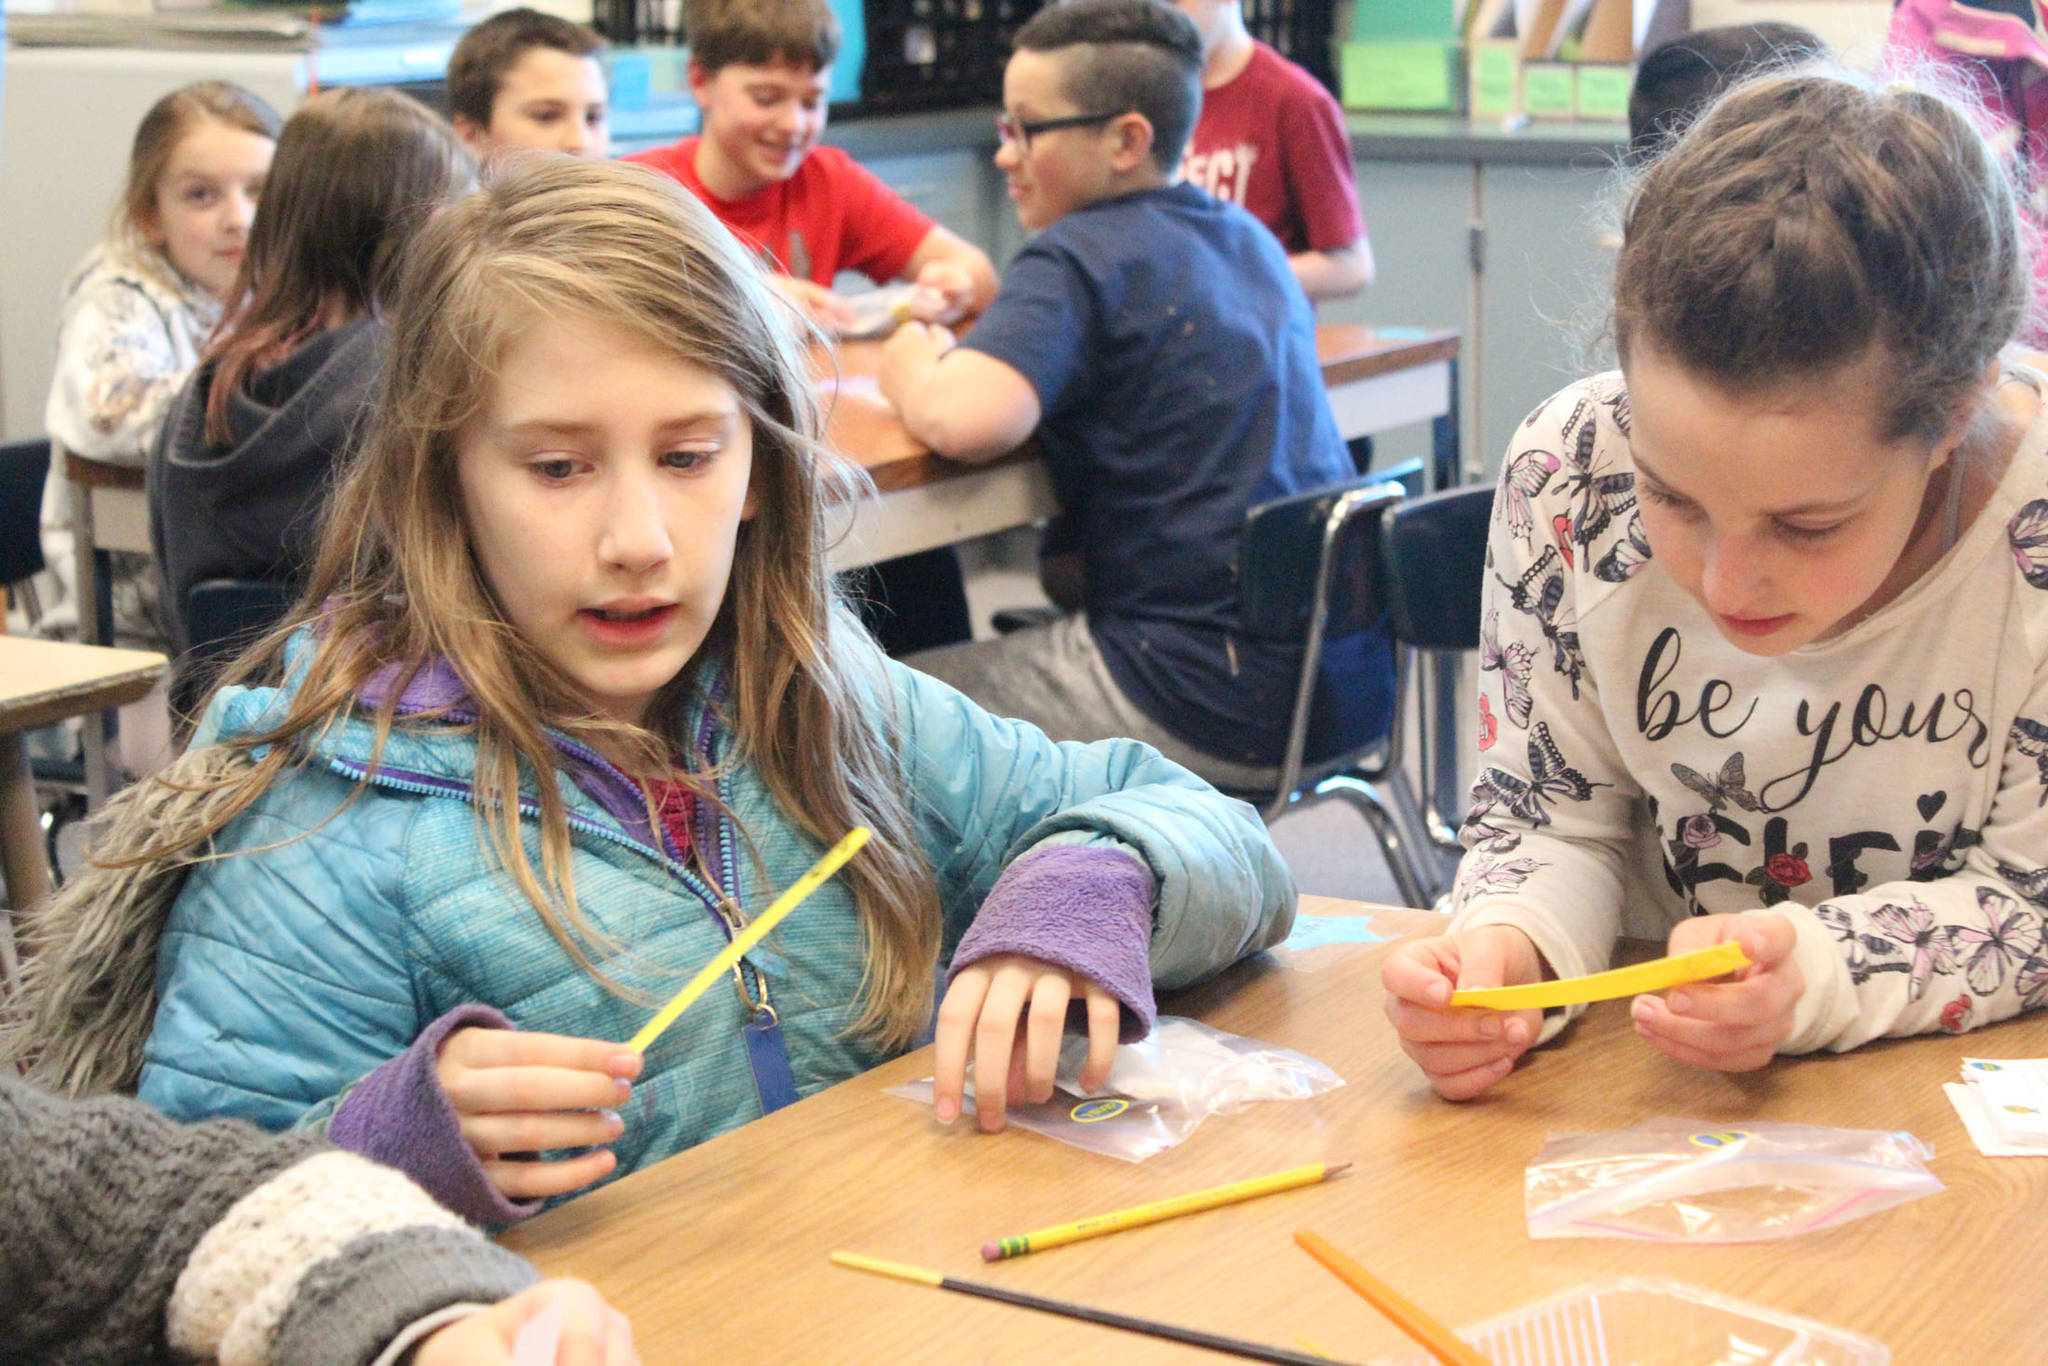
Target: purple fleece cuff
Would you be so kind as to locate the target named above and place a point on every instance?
(1088, 910)
(400, 1116)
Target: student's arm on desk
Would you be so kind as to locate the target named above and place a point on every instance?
(963, 404)
(956, 271)
(1334, 274)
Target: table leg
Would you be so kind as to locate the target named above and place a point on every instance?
(91, 618)
(21, 843)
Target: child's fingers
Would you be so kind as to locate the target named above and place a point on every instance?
(1416, 973)
(1706, 1042)
(535, 1180)
(1423, 1025)
(1720, 1056)
(1045, 1030)
(503, 1090)
(955, 1030)
(1465, 1084)
(1105, 1023)
(517, 1048)
(995, 1037)
(491, 1135)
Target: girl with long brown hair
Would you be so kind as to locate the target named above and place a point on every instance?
(239, 479)
(570, 696)
(1765, 640)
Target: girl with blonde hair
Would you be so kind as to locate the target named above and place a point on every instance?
(1765, 637)
(138, 309)
(568, 698)
(238, 481)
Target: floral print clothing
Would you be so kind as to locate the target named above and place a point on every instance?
(1886, 789)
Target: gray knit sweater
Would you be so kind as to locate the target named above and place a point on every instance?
(132, 1239)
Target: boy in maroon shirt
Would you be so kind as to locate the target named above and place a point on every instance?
(1272, 141)
(759, 70)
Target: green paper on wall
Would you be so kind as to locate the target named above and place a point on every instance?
(1496, 69)
(1547, 90)
(1603, 91)
(1403, 21)
(1402, 76)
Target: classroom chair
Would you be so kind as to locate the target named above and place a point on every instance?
(1321, 566)
(24, 465)
(223, 617)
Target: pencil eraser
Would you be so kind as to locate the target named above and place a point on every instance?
(991, 1253)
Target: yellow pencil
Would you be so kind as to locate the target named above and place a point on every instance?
(1100, 1224)
(825, 867)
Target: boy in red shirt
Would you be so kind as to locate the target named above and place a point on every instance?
(1272, 141)
(759, 70)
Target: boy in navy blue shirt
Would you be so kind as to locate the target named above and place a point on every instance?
(1156, 341)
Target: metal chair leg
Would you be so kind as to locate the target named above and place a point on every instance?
(1395, 841)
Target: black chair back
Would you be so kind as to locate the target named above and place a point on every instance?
(223, 617)
(1432, 568)
(24, 465)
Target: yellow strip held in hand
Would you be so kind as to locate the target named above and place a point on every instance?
(1715, 960)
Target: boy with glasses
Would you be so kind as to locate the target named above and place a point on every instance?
(1155, 340)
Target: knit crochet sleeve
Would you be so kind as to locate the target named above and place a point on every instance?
(135, 1238)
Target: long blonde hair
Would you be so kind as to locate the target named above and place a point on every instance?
(395, 584)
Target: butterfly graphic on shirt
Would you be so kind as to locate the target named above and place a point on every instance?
(1526, 474)
(1914, 929)
(1494, 876)
(2011, 935)
(1597, 498)
(1514, 662)
(1727, 786)
(1550, 780)
(1860, 943)
(2031, 883)
(2028, 534)
(1540, 593)
(2031, 739)
(1626, 555)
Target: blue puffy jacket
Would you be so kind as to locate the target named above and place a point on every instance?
(345, 918)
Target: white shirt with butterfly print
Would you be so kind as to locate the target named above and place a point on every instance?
(1887, 789)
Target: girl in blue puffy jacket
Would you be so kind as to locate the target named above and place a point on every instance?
(567, 699)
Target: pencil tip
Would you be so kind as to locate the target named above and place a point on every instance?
(1330, 1169)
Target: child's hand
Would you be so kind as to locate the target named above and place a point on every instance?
(817, 303)
(910, 352)
(1463, 1051)
(1734, 1024)
(983, 1006)
(945, 291)
(523, 1093)
(593, 1333)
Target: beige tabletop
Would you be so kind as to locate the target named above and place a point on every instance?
(719, 1254)
(46, 680)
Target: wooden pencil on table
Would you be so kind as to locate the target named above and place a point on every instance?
(1441, 1343)
(1171, 1332)
(1095, 1226)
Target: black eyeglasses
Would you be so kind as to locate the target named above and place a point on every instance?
(1009, 130)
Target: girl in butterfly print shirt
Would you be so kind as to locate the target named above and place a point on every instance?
(1767, 658)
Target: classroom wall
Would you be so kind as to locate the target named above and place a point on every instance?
(1853, 28)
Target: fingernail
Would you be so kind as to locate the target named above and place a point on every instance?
(1489, 1028)
(1440, 994)
(613, 1121)
(1680, 1003)
(945, 1110)
(624, 1064)
(621, 1090)
(1517, 1031)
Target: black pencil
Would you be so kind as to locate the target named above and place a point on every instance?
(1215, 1342)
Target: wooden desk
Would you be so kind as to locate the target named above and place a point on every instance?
(719, 1253)
(109, 511)
(43, 681)
(1377, 381)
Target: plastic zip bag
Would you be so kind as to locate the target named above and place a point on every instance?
(1159, 1090)
(1688, 1180)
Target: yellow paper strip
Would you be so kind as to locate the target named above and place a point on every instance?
(753, 934)
(1715, 960)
